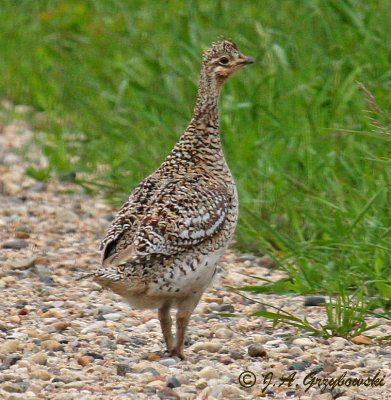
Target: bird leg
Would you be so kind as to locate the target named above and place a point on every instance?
(185, 309)
(165, 323)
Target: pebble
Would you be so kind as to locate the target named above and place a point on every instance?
(9, 346)
(173, 382)
(108, 344)
(296, 351)
(226, 308)
(151, 371)
(337, 345)
(112, 317)
(85, 360)
(211, 347)
(24, 263)
(314, 301)
(236, 355)
(14, 318)
(94, 327)
(11, 387)
(303, 342)
(256, 350)
(15, 244)
(167, 393)
(223, 333)
(208, 373)
(94, 355)
(39, 358)
(123, 338)
(201, 384)
(298, 366)
(123, 369)
(361, 339)
(38, 187)
(47, 280)
(168, 362)
(61, 325)
(226, 392)
(3, 328)
(262, 339)
(50, 344)
(41, 374)
(154, 357)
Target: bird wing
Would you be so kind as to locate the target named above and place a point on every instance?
(126, 221)
(182, 214)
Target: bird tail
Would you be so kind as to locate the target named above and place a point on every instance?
(101, 276)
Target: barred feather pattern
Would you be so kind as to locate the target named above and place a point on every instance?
(168, 236)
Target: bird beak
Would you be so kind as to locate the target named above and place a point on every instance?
(248, 60)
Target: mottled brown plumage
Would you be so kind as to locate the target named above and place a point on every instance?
(163, 245)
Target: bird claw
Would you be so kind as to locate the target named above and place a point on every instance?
(175, 353)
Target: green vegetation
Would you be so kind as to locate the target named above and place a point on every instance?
(117, 82)
(345, 317)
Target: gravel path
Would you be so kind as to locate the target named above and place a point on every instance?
(63, 339)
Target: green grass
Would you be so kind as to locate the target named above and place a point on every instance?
(346, 317)
(117, 82)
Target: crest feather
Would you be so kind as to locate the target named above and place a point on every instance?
(221, 47)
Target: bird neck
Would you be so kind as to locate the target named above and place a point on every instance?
(206, 110)
(201, 140)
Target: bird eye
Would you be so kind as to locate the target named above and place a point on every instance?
(223, 61)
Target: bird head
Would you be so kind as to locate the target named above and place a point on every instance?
(223, 60)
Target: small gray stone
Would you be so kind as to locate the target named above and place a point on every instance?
(112, 316)
(317, 369)
(314, 301)
(150, 370)
(236, 355)
(226, 308)
(108, 344)
(3, 327)
(198, 318)
(123, 338)
(24, 228)
(298, 366)
(94, 355)
(24, 264)
(247, 257)
(15, 244)
(173, 382)
(149, 390)
(47, 280)
(138, 342)
(123, 369)
(38, 187)
(168, 362)
(9, 362)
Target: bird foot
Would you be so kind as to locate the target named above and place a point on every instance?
(175, 353)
